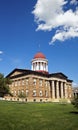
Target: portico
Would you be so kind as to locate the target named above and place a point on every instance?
(59, 89)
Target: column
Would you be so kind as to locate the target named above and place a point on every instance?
(41, 66)
(47, 67)
(57, 89)
(37, 66)
(53, 90)
(44, 66)
(65, 88)
(62, 94)
(34, 66)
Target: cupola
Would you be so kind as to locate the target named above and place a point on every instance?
(39, 63)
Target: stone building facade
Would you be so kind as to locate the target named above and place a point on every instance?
(37, 85)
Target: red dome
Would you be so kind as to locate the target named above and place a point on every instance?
(39, 55)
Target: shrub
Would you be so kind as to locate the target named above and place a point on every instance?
(75, 102)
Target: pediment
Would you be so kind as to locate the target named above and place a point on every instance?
(59, 75)
(62, 76)
(15, 72)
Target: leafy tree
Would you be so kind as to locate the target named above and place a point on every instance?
(75, 102)
(22, 95)
(4, 85)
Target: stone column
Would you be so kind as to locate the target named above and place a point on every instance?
(57, 89)
(33, 66)
(53, 90)
(41, 66)
(65, 88)
(37, 65)
(62, 94)
(47, 67)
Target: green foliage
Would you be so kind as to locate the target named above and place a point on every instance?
(4, 85)
(75, 102)
(22, 95)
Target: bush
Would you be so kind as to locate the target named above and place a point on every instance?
(75, 102)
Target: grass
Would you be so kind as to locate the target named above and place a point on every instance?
(37, 116)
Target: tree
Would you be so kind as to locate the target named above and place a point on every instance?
(75, 102)
(4, 85)
(22, 96)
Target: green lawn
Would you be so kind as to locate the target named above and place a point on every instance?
(37, 116)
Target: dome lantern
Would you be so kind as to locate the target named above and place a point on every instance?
(39, 63)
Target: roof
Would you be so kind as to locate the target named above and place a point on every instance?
(59, 74)
(23, 72)
(39, 55)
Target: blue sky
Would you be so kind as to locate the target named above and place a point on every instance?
(27, 24)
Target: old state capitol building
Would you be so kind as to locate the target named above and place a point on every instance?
(38, 85)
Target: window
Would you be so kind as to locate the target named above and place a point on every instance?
(16, 83)
(46, 93)
(27, 93)
(23, 82)
(34, 100)
(40, 93)
(34, 81)
(18, 92)
(19, 83)
(12, 84)
(22, 91)
(41, 100)
(34, 92)
(40, 82)
(26, 81)
(46, 83)
(26, 99)
(14, 93)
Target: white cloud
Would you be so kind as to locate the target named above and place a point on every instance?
(1, 52)
(49, 15)
(63, 34)
(74, 2)
(75, 84)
